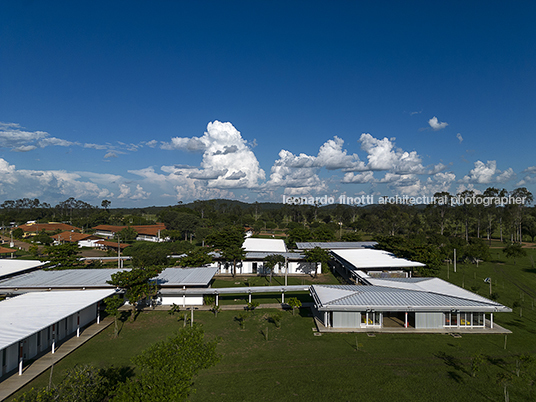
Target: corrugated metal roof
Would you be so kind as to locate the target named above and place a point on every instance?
(335, 245)
(265, 245)
(66, 278)
(10, 267)
(86, 278)
(260, 255)
(432, 285)
(368, 258)
(29, 313)
(186, 276)
(360, 298)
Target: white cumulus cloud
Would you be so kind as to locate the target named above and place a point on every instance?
(436, 125)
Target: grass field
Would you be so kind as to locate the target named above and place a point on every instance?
(294, 364)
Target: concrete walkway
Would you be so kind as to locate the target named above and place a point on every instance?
(12, 384)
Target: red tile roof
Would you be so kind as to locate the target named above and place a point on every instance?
(5, 250)
(73, 237)
(141, 229)
(47, 227)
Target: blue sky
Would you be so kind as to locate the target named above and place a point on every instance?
(150, 103)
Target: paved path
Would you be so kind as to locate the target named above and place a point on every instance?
(12, 384)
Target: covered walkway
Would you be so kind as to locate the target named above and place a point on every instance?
(13, 383)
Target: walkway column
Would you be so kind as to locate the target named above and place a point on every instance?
(78, 324)
(21, 356)
(406, 320)
(250, 297)
(98, 312)
(53, 338)
(326, 319)
(184, 297)
(282, 296)
(491, 320)
(217, 299)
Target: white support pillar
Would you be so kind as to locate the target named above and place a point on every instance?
(78, 324)
(98, 312)
(53, 338)
(184, 297)
(491, 320)
(217, 299)
(192, 316)
(250, 297)
(406, 320)
(326, 323)
(21, 357)
(283, 297)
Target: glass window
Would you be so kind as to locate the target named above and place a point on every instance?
(478, 319)
(363, 317)
(453, 319)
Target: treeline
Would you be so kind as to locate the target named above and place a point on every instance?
(193, 222)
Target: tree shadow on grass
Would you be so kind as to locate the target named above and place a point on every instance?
(456, 377)
(453, 362)
(496, 361)
(122, 318)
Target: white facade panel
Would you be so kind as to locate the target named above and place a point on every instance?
(186, 300)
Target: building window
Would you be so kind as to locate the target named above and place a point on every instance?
(451, 319)
(478, 319)
(370, 319)
(254, 267)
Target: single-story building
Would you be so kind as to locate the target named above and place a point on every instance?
(33, 228)
(258, 249)
(169, 280)
(151, 233)
(10, 267)
(83, 239)
(35, 322)
(374, 262)
(399, 304)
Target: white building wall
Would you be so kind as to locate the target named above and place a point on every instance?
(428, 320)
(182, 300)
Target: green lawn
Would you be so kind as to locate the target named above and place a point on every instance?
(293, 364)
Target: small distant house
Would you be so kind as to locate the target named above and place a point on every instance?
(83, 240)
(152, 233)
(33, 228)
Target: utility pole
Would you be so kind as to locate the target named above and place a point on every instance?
(118, 252)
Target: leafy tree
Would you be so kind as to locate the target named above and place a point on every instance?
(106, 204)
(197, 257)
(127, 234)
(63, 256)
(43, 238)
(18, 233)
(412, 249)
(229, 241)
(137, 285)
(166, 368)
(295, 303)
(298, 234)
(477, 250)
(323, 233)
(269, 263)
(317, 254)
(112, 308)
(514, 250)
(81, 383)
(148, 254)
(351, 236)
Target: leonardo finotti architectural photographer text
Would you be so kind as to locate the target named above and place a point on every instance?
(404, 200)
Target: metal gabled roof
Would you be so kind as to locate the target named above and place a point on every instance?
(186, 276)
(369, 259)
(334, 245)
(24, 315)
(361, 298)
